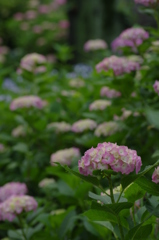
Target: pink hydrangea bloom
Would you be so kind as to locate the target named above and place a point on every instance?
(43, 9)
(27, 102)
(19, 131)
(76, 83)
(31, 14)
(4, 50)
(46, 182)
(61, 2)
(99, 105)
(155, 175)
(12, 188)
(2, 148)
(119, 65)
(146, 2)
(64, 24)
(83, 125)
(106, 129)
(31, 62)
(15, 205)
(65, 156)
(109, 93)
(19, 16)
(93, 45)
(109, 156)
(131, 37)
(156, 86)
(59, 127)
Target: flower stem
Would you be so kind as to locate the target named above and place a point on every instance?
(120, 228)
(133, 215)
(21, 225)
(113, 201)
(111, 189)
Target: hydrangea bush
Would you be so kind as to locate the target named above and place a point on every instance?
(53, 113)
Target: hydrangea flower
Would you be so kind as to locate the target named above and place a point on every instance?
(59, 126)
(65, 156)
(109, 156)
(106, 129)
(93, 45)
(27, 102)
(99, 105)
(76, 83)
(15, 205)
(155, 175)
(146, 2)
(82, 125)
(156, 86)
(125, 114)
(109, 93)
(31, 62)
(19, 131)
(46, 182)
(119, 65)
(131, 37)
(12, 188)
(2, 148)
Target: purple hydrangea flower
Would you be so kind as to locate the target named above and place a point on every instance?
(109, 156)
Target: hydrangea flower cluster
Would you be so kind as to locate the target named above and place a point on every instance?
(93, 45)
(12, 188)
(106, 129)
(146, 2)
(46, 182)
(2, 148)
(131, 37)
(32, 63)
(99, 105)
(82, 125)
(156, 86)
(76, 83)
(59, 127)
(68, 93)
(155, 175)
(15, 205)
(119, 65)
(109, 156)
(19, 131)
(135, 58)
(65, 156)
(109, 93)
(27, 102)
(125, 114)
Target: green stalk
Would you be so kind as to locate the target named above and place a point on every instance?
(156, 16)
(113, 201)
(111, 189)
(21, 225)
(133, 215)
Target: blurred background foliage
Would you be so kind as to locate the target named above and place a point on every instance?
(91, 19)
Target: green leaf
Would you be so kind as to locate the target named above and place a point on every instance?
(104, 199)
(153, 210)
(90, 179)
(139, 232)
(21, 147)
(105, 224)
(100, 215)
(114, 208)
(148, 186)
(134, 192)
(68, 223)
(153, 117)
(156, 154)
(126, 181)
